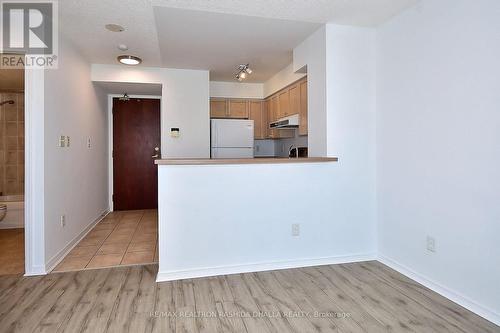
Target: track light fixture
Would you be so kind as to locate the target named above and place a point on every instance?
(243, 70)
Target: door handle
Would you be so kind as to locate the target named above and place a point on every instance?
(157, 155)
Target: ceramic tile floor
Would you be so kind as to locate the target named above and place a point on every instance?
(11, 251)
(122, 238)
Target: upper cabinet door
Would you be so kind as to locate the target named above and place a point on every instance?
(303, 108)
(284, 104)
(265, 118)
(218, 108)
(274, 109)
(294, 100)
(256, 115)
(238, 109)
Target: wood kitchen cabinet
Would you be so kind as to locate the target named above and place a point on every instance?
(265, 118)
(303, 108)
(294, 93)
(256, 114)
(284, 103)
(218, 108)
(228, 108)
(238, 109)
(289, 101)
(273, 116)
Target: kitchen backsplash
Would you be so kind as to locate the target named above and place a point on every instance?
(278, 148)
(264, 148)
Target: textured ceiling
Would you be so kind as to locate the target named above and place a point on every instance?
(177, 43)
(349, 12)
(83, 22)
(220, 42)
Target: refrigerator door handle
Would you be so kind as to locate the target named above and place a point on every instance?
(214, 144)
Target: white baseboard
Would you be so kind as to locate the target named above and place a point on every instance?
(452, 295)
(35, 271)
(55, 260)
(261, 267)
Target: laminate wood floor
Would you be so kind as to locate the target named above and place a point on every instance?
(359, 297)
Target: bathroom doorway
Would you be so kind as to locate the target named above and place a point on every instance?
(12, 148)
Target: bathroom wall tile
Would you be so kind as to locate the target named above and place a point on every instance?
(20, 142)
(10, 113)
(11, 172)
(20, 113)
(11, 187)
(11, 157)
(20, 129)
(11, 128)
(20, 156)
(11, 143)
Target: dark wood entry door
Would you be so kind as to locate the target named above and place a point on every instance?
(136, 134)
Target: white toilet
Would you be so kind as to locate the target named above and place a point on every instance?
(3, 211)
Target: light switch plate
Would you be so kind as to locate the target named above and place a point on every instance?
(62, 141)
(68, 141)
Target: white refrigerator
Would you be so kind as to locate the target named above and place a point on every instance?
(231, 138)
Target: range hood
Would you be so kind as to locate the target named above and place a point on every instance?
(287, 122)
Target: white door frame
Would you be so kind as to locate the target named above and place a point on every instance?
(34, 172)
(110, 139)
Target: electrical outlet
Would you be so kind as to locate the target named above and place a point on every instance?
(68, 141)
(63, 221)
(295, 230)
(431, 244)
(89, 142)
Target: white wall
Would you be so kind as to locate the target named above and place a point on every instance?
(235, 218)
(438, 147)
(282, 79)
(312, 53)
(350, 114)
(236, 90)
(75, 178)
(185, 105)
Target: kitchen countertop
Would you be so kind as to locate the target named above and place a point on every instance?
(260, 160)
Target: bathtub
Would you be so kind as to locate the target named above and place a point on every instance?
(15, 211)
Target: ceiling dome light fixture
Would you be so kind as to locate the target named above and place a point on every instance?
(129, 60)
(243, 70)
